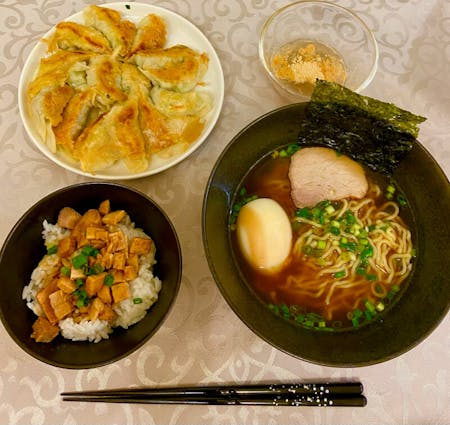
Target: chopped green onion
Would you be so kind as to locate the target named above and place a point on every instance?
(79, 283)
(52, 249)
(89, 251)
(79, 261)
(109, 280)
(321, 244)
(304, 213)
(371, 277)
(357, 313)
(355, 322)
(283, 153)
(364, 241)
(379, 306)
(330, 209)
(335, 230)
(369, 306)
(390, 188)
(137, 300)
(401, 200)
(360, 271)
(65, 271)
(339, 274)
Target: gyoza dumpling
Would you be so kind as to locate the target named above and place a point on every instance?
(79, 112)
(134, 81)
(120, 33)
(151, 34)
(73, 36)
(54, 71)
(167, 136)
(193, 103)
(115, 136)
(178, 68)
(104, 76)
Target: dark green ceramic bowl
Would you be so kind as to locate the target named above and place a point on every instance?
(422, 306)
(24, 248)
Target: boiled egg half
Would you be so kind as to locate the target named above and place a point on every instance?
(264, 234)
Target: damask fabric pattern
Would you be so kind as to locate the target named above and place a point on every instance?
(203, 341)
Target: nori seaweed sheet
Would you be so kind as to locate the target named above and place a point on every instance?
(374, 133)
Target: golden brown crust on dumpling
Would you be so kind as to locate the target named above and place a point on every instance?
(151, 34)
(178, 68)
(120, 33)
(78, 37)
(54, 102)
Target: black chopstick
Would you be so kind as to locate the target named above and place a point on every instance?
(308, 394)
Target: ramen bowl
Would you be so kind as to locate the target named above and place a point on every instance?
(24, 248)
(421, 306)
(339, 37)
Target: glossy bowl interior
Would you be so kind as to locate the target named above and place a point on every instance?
(24, 248)
(421, 307)
(327, 23)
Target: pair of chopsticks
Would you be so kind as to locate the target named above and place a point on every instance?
(307, 394)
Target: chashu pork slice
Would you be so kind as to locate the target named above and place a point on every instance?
(318, 174)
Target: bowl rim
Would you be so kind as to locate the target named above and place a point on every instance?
(367, 30)
(148, 335)
(255, 317)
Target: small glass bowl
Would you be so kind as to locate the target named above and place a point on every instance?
(322, 24)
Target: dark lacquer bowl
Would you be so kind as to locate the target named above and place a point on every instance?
(24, 248)
(422, 306)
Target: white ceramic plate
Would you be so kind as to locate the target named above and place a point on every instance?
(179, 31)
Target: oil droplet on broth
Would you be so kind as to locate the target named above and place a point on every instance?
(298, 64)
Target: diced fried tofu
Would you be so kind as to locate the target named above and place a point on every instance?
(43, 330)
(117, 275)
(76, 273)
(120, 291)
(94, 283)
(105, 294)
(66, 247)
(91, 218)
(130, 273)
(68, 218)
(105, 207)
(133, 261)
(106, 260)
(117, 242)
(44, 301)
(66, 284)
(95, 308)
(107, 314)
(114, 217)
(97, 233)
(61, 304)
(141, 246)
(119, 260)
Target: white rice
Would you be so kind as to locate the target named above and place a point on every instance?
(144, 287)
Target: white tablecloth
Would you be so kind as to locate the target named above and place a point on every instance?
(203, 341)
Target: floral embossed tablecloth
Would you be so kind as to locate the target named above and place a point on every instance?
(203, 341)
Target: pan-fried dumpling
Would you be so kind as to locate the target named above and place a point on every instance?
(134, 81)
(76, 116)
(114, 136)
(178, 68)
(54, 71)
(193, 103)
(120, 33)
(73, 36)
(151, 34)
(104, 76)
(166, 136)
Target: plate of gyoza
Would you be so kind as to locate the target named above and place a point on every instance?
(121, 91)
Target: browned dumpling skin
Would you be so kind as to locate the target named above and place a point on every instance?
(120, 33)
(114, 136)
(178, 68)
(151, 34)
(78, 37)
